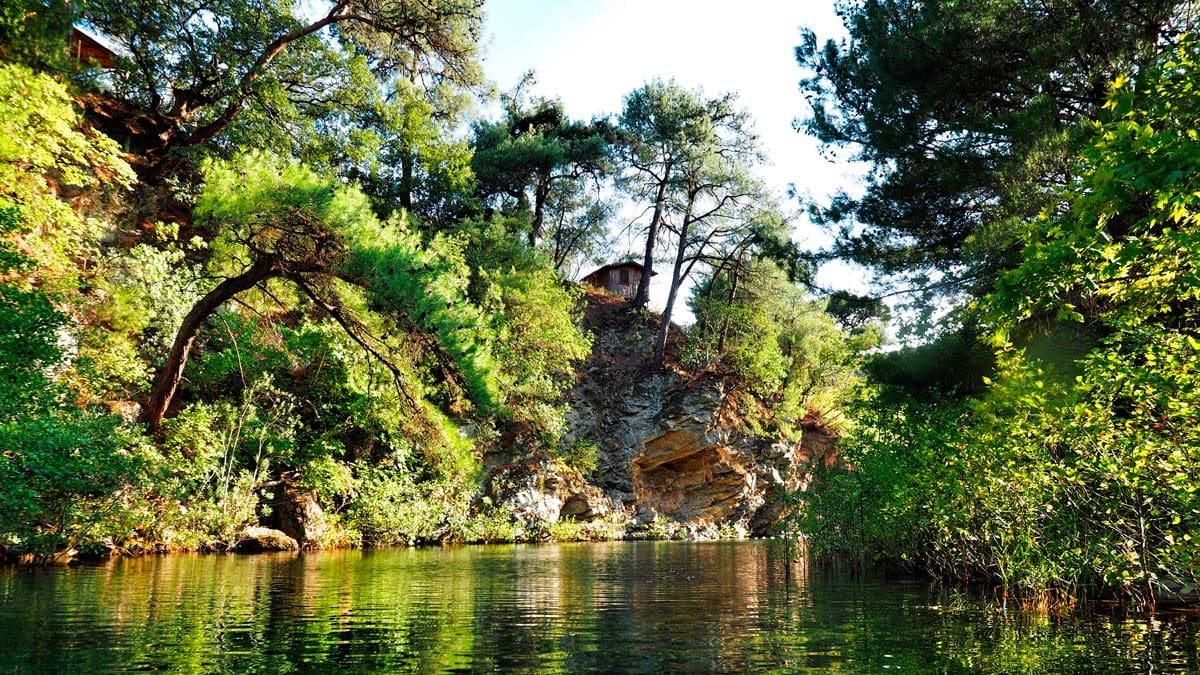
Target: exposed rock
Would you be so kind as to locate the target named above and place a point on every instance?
(525, 489)
(261, 539)
(582, 501)
(670, 446)
(296, 513)
(538, 493)
(817, 446)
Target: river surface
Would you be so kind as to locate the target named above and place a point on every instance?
(612, 607)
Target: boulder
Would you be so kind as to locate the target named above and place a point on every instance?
(262, 539)
(296, 513)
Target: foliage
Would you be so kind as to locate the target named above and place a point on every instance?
(33, 33)
(392, 508)
(40, 137)
(298, 75)
(63, 468)
(779, 343)
(921, 370)
(665, 529)
(1053, 484)
(535, 152)
(532, 325)
(578, 229)
(583, 456)
(416, 163)
(216, 457)
(966, 114)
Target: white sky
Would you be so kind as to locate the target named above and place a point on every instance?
(589, 54)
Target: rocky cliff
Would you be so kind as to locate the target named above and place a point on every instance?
(672, 452)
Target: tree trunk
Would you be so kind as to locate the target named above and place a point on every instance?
(541, 192)
(660, 348)
(732, 297)
(167, 382)
(406, 179)
(643, 291)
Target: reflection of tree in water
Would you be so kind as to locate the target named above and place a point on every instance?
(647, 606)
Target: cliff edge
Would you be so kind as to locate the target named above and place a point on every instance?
(671, 452)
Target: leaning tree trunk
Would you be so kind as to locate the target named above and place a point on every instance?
(167, 381)
(642, 298)
(733, 287)
(660, 347)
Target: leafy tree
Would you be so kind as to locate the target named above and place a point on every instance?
(534, 152)
(269, 219)
(951, 365)
(694, 154)
(966, 113)
(1059, 486)
(40, 136)
(273, 220)
(411, 160)
(281, 225)
(532, 328)
(659, 123)
(190, 69)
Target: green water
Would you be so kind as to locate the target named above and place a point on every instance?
(645, 607)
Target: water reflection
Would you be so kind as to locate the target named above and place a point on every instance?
(649, 607)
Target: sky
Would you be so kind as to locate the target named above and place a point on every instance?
(591, 53)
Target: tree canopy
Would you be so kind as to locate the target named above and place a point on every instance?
(966, 114)
(186, 71)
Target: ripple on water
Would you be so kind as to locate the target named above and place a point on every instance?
(645, 606)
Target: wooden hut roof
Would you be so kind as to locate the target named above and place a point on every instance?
(90, 46)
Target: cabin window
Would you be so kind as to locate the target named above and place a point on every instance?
(624, 276)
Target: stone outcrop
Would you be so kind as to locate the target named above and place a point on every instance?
(295, 513)
(671, 446)
(538, 493)
(263, 539)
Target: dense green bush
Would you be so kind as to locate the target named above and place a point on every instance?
(1056, 485)
(66, 470)
(779, 342)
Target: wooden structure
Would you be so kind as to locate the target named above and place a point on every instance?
(618, 278)
(88, 49)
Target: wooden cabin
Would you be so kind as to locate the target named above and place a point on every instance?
(618, 278)
(88, 49)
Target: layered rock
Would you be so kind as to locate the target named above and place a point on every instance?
(670, 446)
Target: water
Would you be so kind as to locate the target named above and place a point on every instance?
(645, 607)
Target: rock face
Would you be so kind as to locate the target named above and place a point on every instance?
(674, 449)
(670, 447)
(538, 493)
